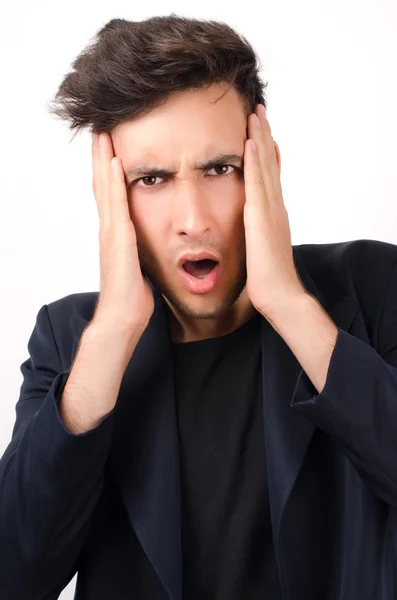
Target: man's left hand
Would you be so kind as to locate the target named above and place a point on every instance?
(271, 275)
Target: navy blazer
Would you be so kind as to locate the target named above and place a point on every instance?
(106, 503)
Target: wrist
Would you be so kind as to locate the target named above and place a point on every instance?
(107, 329)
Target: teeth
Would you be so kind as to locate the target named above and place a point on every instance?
(201, 276)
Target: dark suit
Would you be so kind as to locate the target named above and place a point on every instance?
(106, 503)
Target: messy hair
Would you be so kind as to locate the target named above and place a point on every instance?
(131, 67)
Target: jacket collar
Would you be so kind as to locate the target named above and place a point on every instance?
(145, 452)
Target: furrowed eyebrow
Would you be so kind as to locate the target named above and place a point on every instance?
(152, 170)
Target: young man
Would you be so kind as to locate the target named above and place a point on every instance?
(219, 422)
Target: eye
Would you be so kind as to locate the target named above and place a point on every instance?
(220, 166)
(148, 177)
(151, 179)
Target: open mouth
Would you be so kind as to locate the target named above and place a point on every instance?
(199, 268)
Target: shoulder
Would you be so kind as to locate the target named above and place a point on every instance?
(81, 304)
(349, 253)
(350, 267)
(363, 270)
(68, 317)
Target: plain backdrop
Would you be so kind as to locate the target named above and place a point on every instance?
(332, 96)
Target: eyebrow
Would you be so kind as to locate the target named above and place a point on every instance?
(152, 170)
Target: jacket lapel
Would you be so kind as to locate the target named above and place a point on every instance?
(287, 432)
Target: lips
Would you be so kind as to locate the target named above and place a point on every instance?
(195, 257)
(199, 268)
(200, 272)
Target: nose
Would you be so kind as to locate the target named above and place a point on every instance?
(191, 215)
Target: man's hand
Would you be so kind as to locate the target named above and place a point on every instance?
(273, 285)
(125, 298)
(124, 307)
(271, 275)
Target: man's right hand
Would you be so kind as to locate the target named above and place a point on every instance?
(124, 306)
(125, 299)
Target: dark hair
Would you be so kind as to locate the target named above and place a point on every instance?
(134, 66)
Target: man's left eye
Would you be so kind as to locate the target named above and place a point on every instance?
(222, 167)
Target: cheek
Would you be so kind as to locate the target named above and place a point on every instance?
(140, 217)
(231, 214)
(150, 221)
(140, 211)
(229, 202)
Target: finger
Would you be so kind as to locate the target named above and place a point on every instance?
(96, 188)
(119, 201)
(254, 188)
(268, 157)
(260, 133)
(105, 156)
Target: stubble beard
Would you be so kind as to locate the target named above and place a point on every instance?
(149, 268)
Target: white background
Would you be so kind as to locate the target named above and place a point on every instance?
(332, 94)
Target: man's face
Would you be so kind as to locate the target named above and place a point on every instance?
(194, 209)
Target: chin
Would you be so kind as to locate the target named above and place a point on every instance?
(205, 306)
(205, 309)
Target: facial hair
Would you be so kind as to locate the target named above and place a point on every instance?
(149, 267)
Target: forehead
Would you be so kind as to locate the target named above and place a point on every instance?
(193, 122)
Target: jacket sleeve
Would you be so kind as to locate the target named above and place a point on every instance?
(358, 404)
(50, 479)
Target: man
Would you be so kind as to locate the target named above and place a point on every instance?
(220, 421)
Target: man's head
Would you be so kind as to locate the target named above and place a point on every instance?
(175, 93)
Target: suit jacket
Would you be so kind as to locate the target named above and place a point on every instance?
(106, 503)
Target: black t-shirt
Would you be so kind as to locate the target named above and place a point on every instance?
(227, 543)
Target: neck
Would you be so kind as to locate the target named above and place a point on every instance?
(189, 329)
